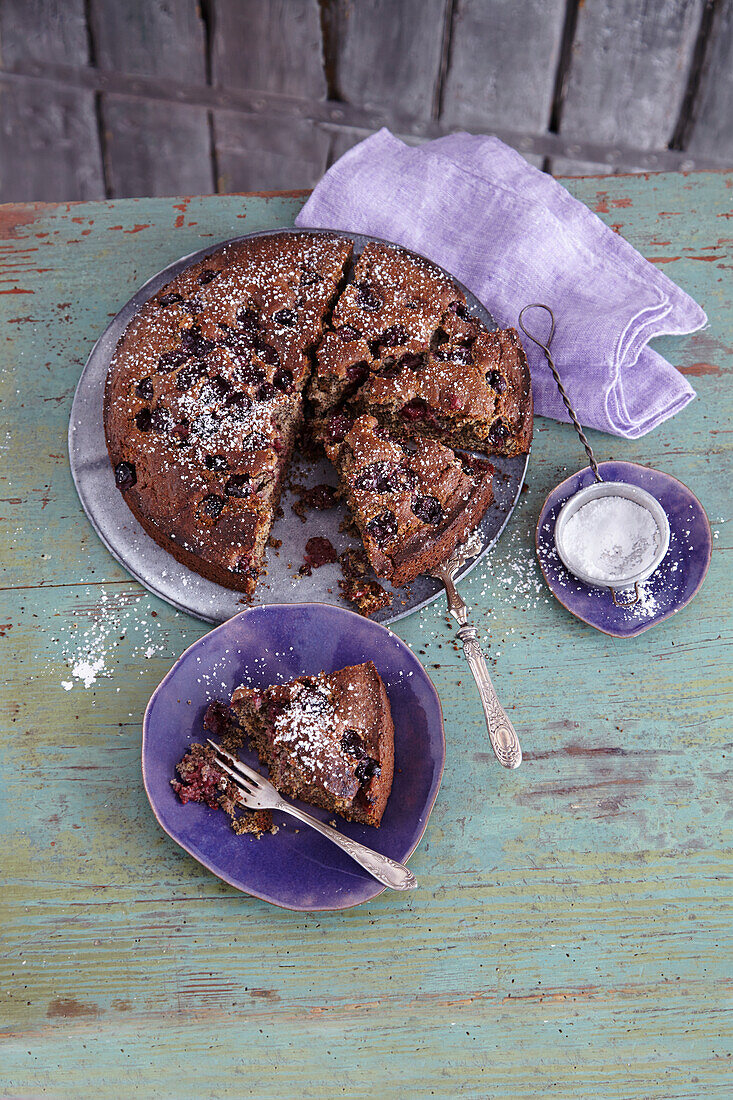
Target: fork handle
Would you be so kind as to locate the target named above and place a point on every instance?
(503, 737)
(384, 869)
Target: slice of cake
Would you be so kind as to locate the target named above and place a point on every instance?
(471, 389)
(413, 504)
(391, 307)
(326, 739)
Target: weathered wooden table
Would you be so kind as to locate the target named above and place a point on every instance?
(572, 930)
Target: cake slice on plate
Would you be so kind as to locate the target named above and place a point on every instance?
(412, 502)
(326, 739)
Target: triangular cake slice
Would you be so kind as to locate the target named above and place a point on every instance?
(392, 306)
(470, 389)
(326, 739)
(412, 502)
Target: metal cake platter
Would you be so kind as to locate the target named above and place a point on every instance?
(162, 575)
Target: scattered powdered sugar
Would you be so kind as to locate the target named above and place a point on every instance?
(112, 617)
(610, 538)
(306, 727)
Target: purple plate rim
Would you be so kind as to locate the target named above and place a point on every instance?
(557, 492)
(432, 795)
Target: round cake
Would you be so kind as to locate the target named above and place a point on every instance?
(208, 387)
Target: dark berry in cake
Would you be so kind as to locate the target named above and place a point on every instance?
(428, 509)
(125, 476)
(144, 388)
(368, 298)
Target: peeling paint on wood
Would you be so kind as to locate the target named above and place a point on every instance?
(572, 928)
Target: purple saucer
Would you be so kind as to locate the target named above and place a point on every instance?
(296, 868)
(670, 587)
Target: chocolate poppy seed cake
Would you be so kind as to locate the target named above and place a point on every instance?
(212, 379)
(471, 389)
(412, 504)
(391, 308)
(203, 397)
(326, 739)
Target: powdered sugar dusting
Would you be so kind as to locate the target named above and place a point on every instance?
(112, 618)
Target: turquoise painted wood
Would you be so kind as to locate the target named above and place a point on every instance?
(572, 932)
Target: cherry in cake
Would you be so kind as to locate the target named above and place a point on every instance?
(413, 504)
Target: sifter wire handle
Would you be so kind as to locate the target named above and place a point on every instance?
(556, 376)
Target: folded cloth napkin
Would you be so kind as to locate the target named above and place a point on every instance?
(513, 235)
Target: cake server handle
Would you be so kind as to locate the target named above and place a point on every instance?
(502, 735)
(382, 868)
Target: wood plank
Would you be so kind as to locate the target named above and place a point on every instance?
(628, 75)
(256, 154)
(387, 55)
(503, 59)
(572, 928)
(273, 45)
(153, 148)
(49, 142)
(712, 129)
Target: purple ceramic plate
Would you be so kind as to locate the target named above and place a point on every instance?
(295, 868)
(673, 583)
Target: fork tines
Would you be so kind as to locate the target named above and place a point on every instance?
(244, 777)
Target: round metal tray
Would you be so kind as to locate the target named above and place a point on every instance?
(162, 575)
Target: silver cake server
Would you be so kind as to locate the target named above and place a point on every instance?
(503, 737)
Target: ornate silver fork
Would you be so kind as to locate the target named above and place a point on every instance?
(504, 740)
(257, 793)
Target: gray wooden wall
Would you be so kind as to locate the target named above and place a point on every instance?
(157, 97)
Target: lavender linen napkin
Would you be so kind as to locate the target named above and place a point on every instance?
(514, 235)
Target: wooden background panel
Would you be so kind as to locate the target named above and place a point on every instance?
(254, 154)
(503, 63)
(49, 141)
(382, 54)
(188, 97)
(628, 74)
(272, 45)
(711, 130)
(153, 148)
